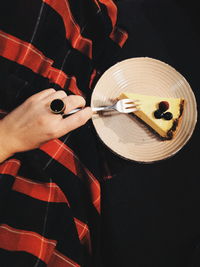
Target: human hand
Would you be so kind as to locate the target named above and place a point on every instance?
(32, 123)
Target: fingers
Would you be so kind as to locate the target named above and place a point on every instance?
(61, 126)
(55, 95)
(73, 102)
(43, 94)
(48, 95)
(75, 120)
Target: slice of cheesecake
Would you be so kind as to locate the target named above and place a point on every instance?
(162, 114)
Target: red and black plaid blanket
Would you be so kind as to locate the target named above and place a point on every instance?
(50, 199)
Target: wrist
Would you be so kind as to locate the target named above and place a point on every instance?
(5, 146)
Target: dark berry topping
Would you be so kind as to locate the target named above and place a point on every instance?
(158, 114)
(163, 105)
(167, 116)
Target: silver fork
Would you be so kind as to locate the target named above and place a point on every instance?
(123, 106)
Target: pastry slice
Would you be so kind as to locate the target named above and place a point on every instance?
(161, 114)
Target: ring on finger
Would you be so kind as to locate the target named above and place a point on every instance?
(57, 106)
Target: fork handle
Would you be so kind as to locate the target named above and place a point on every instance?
(93, 109)
(73, 111)
(103, 108)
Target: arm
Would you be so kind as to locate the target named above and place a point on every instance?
(32, 123)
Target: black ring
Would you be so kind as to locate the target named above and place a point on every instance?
(57, 106)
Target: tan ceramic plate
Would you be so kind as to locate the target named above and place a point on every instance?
(123, 133)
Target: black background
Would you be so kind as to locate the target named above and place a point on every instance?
(151, 212)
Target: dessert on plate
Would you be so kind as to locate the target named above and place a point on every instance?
(162, 114)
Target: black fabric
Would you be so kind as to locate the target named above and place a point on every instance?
(18, 259)
(151, 211)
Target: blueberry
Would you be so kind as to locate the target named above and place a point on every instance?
(167, 116)
(163, 105)
(158, 114)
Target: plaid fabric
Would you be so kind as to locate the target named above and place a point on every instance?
(50, 199)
